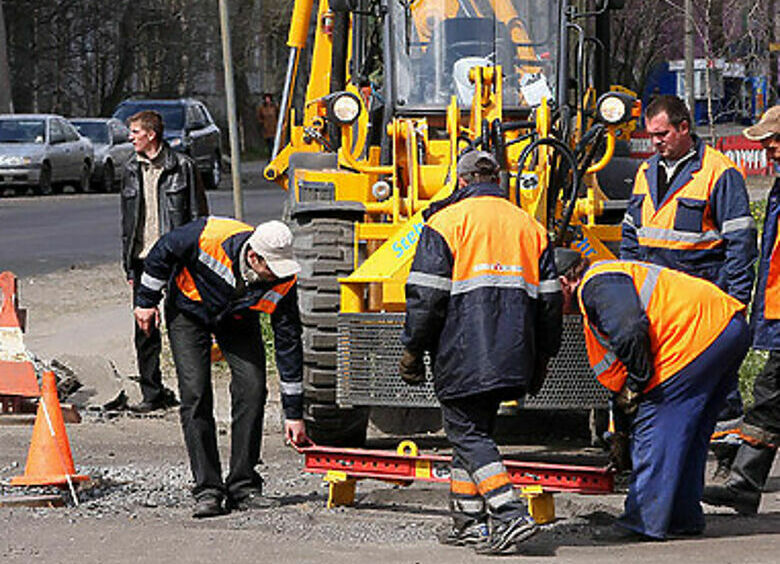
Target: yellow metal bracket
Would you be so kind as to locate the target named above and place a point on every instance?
(540, 504)
(341, 488)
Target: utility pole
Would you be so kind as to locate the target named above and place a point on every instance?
(6, 103)
(689, 91)
(230, 94)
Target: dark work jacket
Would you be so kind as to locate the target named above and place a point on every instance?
(765, 320)
(199, 265)
(703, 225)
(614, 309)
(482, 295)
(181, 198)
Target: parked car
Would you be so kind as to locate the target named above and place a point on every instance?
(111, 142)
(43, 151)
(189, 128)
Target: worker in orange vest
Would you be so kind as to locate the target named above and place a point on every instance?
(668, 345)
(759, 429)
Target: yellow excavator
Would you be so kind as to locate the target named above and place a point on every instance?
(395, 91)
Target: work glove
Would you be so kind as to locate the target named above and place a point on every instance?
(539, 375)
(411, 368)
(620, 452)
(627, 400)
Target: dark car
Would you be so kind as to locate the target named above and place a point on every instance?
(42, 151)
(111, 141)
(189, 128)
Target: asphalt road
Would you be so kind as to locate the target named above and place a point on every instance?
(42, 234)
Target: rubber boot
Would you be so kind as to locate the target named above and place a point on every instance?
(742, 489)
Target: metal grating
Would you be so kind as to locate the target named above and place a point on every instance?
(369, 350)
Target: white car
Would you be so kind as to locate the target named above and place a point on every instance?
(43, 151)
(111, 142)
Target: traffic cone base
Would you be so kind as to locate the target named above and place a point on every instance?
(49, 461)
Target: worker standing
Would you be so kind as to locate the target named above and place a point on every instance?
(483, 298)
(668, 346)
(161, 190)
(760, 427)
(690, 211)
(220, 274)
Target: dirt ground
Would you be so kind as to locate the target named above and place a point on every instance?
(137, 508)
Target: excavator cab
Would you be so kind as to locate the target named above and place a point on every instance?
(435, 44)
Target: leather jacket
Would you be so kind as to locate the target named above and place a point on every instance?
(181, 198)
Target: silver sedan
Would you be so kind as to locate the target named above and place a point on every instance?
(43, 151)
(111, 142)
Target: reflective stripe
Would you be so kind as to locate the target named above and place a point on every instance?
(291, 388)
(463, 487)
(738, 224)
(679, 236)
(152, 283)
(469, 505)
(429, 281)
(460, 474)
(549, 286)
(503, 498)
(648, 286)
(628, 219)
(272, 296)
(609, 357)
(604, 364)
(489, 470)
(495, 281)
(217, 267)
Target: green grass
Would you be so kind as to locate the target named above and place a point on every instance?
(755, 359)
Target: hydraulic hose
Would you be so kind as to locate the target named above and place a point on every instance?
(568, 155)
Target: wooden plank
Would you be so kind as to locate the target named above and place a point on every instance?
(31, 501)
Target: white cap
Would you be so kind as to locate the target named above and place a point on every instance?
(272, 240)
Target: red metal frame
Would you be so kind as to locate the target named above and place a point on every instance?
(390, 465)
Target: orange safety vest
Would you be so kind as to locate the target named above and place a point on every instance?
(686, 315)
(772, 289)
(212, 254)
(511, 262)
(684, 221)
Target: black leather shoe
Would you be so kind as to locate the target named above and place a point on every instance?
(620, 535)
(744, 501)
(253, 501)
(169, 398)
(147, 406)
(208, 506)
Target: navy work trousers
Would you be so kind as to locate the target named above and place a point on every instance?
(469, 423)
(671, 434)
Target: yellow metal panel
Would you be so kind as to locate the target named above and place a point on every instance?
(375, 231)
(394, 293)
(591, 245)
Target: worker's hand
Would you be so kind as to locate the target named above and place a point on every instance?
(295, 432)
(627, 400)
(539, 375)
(411, 368)
(147, 318)
(620, 452)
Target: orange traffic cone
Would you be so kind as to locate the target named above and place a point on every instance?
(49, 462)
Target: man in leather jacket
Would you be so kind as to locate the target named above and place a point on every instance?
(161, 190)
